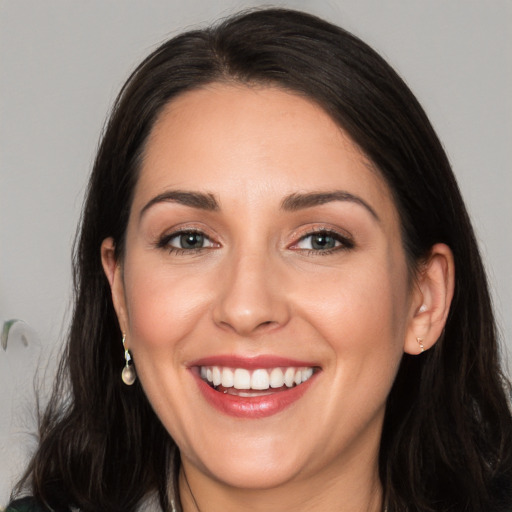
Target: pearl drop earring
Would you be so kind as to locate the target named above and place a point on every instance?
(128, 374)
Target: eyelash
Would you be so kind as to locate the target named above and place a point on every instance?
(345, 242)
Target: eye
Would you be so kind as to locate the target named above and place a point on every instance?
(190, 240)
(324, 241)
(185, 241)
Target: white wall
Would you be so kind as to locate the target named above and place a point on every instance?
(61, 64)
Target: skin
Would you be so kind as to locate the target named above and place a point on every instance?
(257, 287)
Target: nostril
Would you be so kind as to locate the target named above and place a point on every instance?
(265, 326)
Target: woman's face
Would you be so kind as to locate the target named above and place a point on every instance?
(264, 289)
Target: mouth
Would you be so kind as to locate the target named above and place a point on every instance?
(252, 388)
(247, 383)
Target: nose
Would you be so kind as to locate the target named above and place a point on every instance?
(251, 296)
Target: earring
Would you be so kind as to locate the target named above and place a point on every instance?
(420, 343)
(128, 374)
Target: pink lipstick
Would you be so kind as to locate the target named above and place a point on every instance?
(253, 387)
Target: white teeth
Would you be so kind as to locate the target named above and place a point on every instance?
(216, 376)
(306, 374)
(258, 380)
(289, 377)
(227, 378)
(276, 378)
(242, 379)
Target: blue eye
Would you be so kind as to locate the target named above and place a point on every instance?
(324, 241)
(186, 241)
(318, 242)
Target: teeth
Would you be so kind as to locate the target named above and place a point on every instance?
(260, 379)
(306, 374)
(216, 376)
(276, 378)
(242, 379)
(289, 377)
(228, 378)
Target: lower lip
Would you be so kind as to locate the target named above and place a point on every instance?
(253, 407)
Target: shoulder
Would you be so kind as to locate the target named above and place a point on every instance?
(28, 504)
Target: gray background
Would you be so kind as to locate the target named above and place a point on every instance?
(62, 63)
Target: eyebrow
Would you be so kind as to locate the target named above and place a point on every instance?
(290, 203)
(296, 202)
(193, 199)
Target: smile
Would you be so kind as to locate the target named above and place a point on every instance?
(253, 387)
(247, 383)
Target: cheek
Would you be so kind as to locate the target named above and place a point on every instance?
(367, 301)
(361, 314)
(163, 305)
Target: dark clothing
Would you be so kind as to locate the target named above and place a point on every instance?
(29, 505)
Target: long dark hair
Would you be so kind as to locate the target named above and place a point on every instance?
(447, 436)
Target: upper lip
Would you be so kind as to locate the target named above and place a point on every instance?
(250, 362)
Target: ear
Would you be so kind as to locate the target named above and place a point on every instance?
(431, 300)
(113, 271)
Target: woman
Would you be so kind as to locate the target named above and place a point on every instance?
(280, 303)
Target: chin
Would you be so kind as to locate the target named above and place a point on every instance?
(260, 461)
(256, 474)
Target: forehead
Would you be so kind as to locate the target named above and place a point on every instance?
(253, 142)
